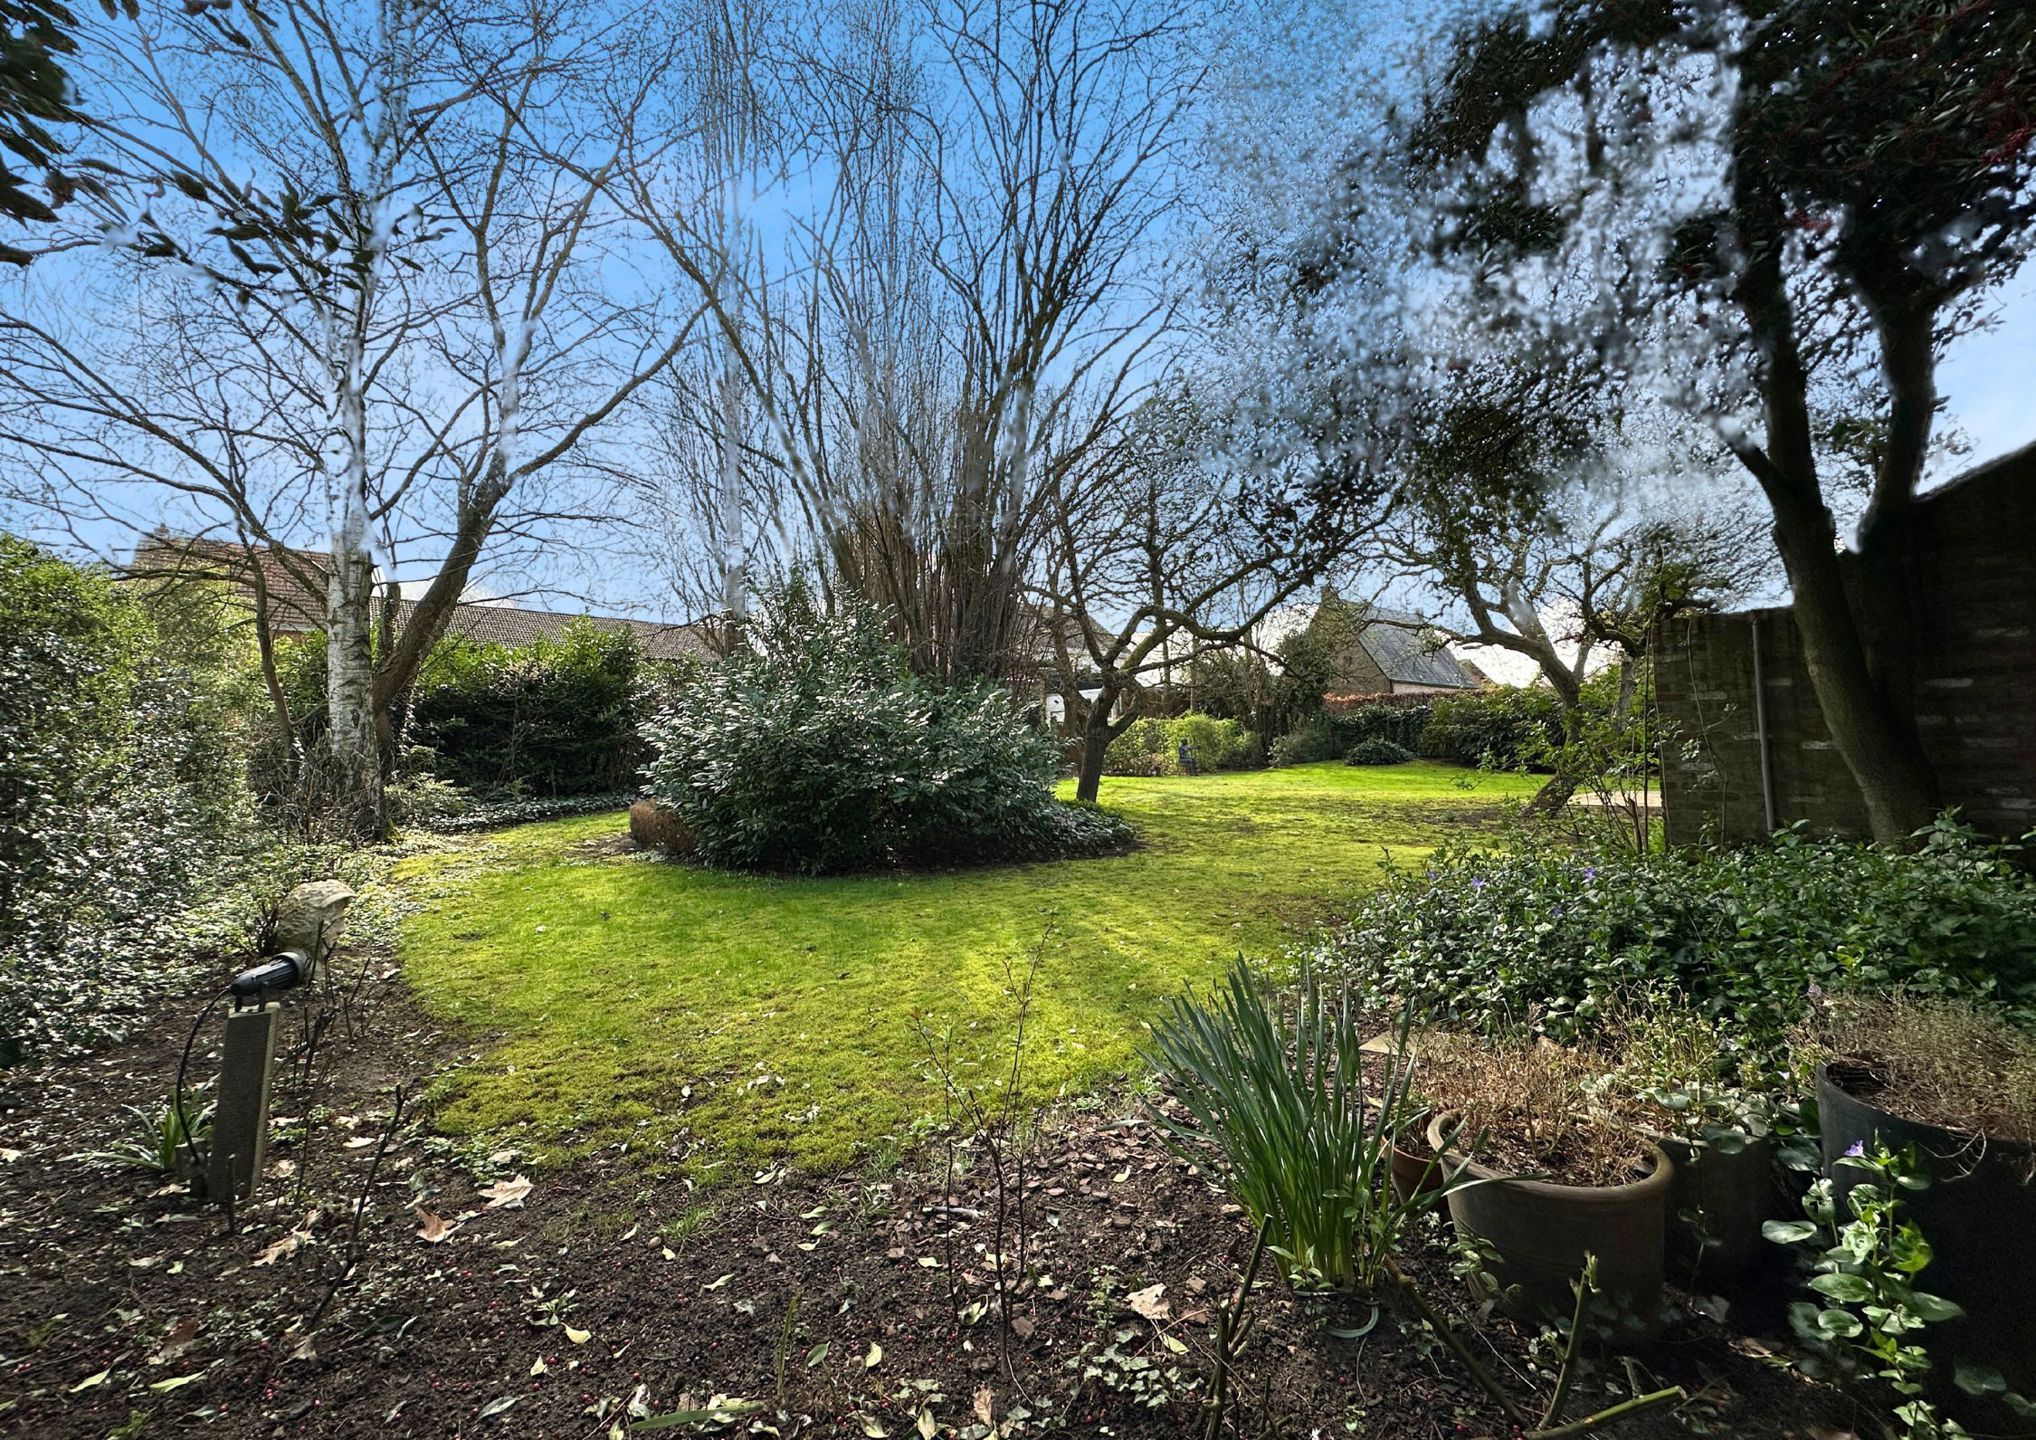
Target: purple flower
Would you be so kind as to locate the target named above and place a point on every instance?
(1477, 882)
(1590, 872)
(1856, 1148)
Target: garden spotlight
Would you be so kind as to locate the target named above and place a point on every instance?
(301, 936)
(281, 971)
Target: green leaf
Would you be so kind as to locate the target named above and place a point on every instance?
(1788, 1232)
(1838, 1324)
(1976, 1379)
(1843, 1286)
(720, 1412)
(1934, 1308)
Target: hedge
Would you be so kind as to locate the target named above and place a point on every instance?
(1151, 746)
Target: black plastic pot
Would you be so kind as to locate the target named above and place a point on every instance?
(1978, 1213)
(1717, 1203)
(1543, 1233)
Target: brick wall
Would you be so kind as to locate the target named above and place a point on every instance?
(1973, 580)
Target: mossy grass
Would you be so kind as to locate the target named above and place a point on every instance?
(727, 1024)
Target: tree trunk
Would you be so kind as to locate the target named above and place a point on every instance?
(1554, 793)
(1870, 718)
(353, 748)
(1098, 730)
(1870, 723)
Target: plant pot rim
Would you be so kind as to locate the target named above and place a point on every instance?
(1828, 1074)
(1655, 1180)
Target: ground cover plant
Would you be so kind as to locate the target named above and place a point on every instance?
(704, 1015)
(1556, 938)
(120, 791)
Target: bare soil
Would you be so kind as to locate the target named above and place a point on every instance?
(842, 1305)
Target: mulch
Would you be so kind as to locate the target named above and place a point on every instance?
(607, 1290)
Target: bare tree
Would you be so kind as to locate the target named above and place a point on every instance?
(415, 314)
(977, 272)
(1154, 555)
(1548, 529)
(1765, 207)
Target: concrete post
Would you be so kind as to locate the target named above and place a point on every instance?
(240, 1123)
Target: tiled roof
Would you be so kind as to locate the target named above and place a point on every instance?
(298, 608)
(1404, 647)
(515, 626)
(294, 579)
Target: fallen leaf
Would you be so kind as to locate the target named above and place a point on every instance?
(507, 1194)
(717, 1284)
(872, 1427)
(280, 1247)
(91, 1380)
(1021, 1326)
(874, 1358)
(497, 1406)
(175, 1382)
(538, 1367)
(8, 1157)
(1149, 1303)
(926, 1426)
(578, 1337)
(986, 1402)
(304, 1350)
(816, 1355)
(181, 1335)
(433, 1227)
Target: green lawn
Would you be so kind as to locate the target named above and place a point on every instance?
(731, 1018)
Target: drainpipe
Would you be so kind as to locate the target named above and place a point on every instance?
(1760, 730)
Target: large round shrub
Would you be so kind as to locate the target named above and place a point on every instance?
(815, 750)
(1377, 751)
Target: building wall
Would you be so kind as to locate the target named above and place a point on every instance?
(1356, 673)
(1974, 583)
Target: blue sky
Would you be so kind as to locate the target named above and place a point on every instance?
(1988, 379)
(1294, 71)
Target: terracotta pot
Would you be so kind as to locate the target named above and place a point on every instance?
(1717, 1203)
(1543, 1233)
(1978, 1213)
(1415, 1171)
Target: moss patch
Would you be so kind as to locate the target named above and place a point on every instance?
(728, 1021)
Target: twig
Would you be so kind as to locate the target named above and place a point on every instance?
(1611, 1413)
(355, 1251)
(785, 1343)
(1584, 1284)
(1449, 1337)
(1229, 1339)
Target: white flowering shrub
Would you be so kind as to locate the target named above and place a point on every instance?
(122, 793)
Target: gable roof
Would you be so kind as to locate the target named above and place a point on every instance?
(295, 582)
(1405, 648)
